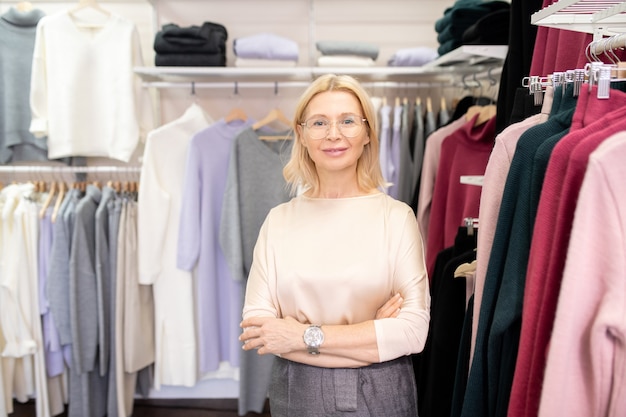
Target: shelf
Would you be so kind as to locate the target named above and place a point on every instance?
(471, 55)
(470, 59)
(601, 18)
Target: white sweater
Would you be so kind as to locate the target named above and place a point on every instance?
(84, 94)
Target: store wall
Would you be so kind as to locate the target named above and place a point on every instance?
(391, 24)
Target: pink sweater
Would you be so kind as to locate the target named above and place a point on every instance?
(586, 361)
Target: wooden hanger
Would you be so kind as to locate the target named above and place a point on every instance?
(485, 113)
(24, 6)
(274, 115)
(464, 269)
(57, 204)
(46, 203)
(236, 113)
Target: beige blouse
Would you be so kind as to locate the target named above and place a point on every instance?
(336, 261)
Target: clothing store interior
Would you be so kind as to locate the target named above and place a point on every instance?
(123, 265)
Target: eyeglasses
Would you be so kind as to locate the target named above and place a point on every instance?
(349, 126)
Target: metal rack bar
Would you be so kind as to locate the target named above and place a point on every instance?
(68, 173)
(51, 169)
(287, 84)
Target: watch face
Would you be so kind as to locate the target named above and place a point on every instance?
(313, 336)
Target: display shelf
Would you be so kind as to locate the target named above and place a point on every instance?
(600, 18)
(471, 55)
(463, 61)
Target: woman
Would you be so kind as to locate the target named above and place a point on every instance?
(338, 288)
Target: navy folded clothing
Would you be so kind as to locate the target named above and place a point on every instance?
(210, 38)
(190, 60)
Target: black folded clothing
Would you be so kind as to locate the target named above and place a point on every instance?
(491, 29)
(210, 38)
(190, 60)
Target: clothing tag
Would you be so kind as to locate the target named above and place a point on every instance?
(472, 179)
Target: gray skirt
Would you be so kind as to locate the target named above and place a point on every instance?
(380, 390)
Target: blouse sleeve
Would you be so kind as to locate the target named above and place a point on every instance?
(406, 334)
(259, 299)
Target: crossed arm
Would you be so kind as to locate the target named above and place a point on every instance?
(350, 345)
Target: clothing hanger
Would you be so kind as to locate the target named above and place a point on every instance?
(274, 115)
(464, 269)
(48, 200)
(60, 197)
(89, 4)
(485, 113)
(24, 6)
(236, 113)
(89, 20)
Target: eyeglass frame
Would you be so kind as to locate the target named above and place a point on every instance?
(363, 119)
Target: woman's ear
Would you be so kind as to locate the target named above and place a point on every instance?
(300, 134)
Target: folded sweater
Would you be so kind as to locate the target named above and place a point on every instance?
(210, 38)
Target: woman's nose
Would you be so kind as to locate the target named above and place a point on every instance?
(333, 131)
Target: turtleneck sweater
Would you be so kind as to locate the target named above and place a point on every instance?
(17, 42)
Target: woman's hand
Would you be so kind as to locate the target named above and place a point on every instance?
(272, 335)
(391, 308)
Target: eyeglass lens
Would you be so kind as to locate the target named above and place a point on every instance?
(349, 126)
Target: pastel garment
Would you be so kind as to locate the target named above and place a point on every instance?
(254, 185)
(158, 216)
(490, 198)
(412, 57)
(84, 94)
(218, 295)
(355, 48)
(348, 281)
(344, 61)
(428, 175)
(17, 42)
(266, 46)
(271, 63)
(585, 365)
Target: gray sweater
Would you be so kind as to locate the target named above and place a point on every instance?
(17, 42)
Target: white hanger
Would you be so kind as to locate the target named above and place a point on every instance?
(89, 20)
(92, 4)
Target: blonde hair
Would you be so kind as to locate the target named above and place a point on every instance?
(300, 170)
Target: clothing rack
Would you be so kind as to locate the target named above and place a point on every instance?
(68, 173)
(288, 84)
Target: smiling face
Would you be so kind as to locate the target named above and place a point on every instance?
(334, 153)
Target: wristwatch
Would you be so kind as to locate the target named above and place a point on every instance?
(313, 338)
